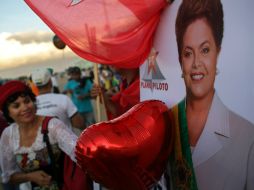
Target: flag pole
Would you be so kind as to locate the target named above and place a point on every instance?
(100, 97)
(96, 81)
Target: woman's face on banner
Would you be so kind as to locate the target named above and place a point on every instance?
(199, 59)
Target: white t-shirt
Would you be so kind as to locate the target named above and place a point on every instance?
(54, 81)
(57, 105)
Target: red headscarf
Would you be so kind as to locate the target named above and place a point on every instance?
(9, 89)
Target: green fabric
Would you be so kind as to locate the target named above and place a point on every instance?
(182, 171)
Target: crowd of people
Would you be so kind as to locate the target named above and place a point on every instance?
(25, 105)
(213, 147)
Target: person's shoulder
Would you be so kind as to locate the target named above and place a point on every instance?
(7, 131)
(62, 96)
(64, 99)
(238, 119)
(69, 83)
(85, 81)
(51, 95)
(55, 124)
(54, 121)
(241, 127)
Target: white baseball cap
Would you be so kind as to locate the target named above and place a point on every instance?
(41, 77)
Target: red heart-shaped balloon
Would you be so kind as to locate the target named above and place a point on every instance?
(131, 151)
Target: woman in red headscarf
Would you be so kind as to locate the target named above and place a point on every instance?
(24, 154)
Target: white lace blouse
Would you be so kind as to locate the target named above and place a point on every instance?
(10, 145)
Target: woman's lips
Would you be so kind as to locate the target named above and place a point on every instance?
(27, 114)
(197, 76)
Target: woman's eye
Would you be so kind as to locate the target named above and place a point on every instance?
(15, 105)
(205, 50)
(27, 100)
(187, 54)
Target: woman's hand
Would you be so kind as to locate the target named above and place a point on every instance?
(40, 177)
(95, 91)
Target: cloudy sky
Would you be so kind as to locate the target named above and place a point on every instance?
(25, 39)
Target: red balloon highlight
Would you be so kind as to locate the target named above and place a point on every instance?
(131, 151)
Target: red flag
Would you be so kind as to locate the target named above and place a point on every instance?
(114, 32)
(126, 98)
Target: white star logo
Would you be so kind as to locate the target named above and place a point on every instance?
(75, 2)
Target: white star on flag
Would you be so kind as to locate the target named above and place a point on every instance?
(74, 2)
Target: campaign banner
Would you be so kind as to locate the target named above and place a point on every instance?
(160, 75)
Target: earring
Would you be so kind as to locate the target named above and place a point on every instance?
(217, 71)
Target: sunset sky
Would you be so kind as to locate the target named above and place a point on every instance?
(24, 38)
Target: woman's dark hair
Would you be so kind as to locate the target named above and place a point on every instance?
(13, 98)
(191, 10)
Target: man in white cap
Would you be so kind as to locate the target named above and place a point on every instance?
(57, 105)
